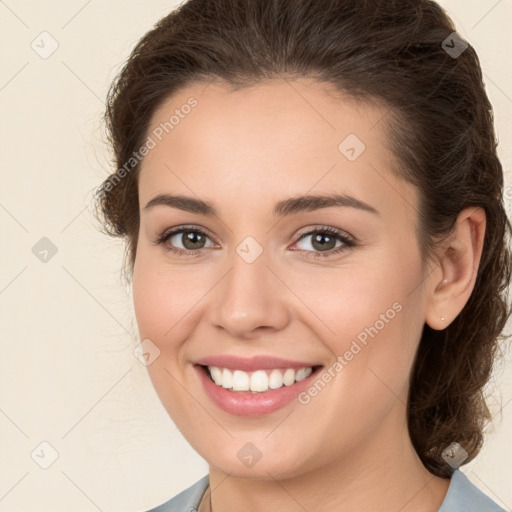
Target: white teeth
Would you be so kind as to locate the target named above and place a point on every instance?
(240, 380)
(227, 379)
(216, 374)
(289, 377)
(258, 381)
(301, 374)
(275, 379)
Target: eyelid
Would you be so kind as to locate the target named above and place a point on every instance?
(164, 236)
(324, 228)
(348, 241)
(183, 227)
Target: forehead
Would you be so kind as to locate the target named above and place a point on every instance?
(277, 111)
(278, 135)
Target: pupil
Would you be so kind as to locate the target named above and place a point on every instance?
(192, 238)
(317, 239)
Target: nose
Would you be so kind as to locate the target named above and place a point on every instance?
(250, 300)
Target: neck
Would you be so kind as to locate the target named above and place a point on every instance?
(383, 475)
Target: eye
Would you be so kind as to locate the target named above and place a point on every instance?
(324, 241)
(192, 239)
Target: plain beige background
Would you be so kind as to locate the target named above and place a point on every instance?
(68, 378)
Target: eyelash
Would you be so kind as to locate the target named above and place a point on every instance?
(348, 242)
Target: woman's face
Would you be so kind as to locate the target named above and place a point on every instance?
(253, 286)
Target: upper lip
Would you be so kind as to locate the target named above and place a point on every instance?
(253, 363)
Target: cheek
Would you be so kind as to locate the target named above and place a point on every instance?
(372, 316)
(152, 302)
(163, 298)
(357, 301)
(161, 317)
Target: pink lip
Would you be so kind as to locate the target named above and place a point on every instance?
(253, 363)
(246, 403)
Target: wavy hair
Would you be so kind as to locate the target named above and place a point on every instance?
(440, 128)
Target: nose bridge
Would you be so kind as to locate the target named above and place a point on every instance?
(250, 296)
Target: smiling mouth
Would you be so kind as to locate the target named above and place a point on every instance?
(259, 381)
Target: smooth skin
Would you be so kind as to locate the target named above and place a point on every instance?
(348, 448)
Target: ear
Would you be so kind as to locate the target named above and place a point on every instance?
(451, 284)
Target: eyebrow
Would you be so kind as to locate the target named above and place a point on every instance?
(289, 206)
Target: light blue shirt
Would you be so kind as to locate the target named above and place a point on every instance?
(462, 496)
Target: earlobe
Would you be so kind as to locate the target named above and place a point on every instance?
(451, 286)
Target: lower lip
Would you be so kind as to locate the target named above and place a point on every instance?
(246, 403)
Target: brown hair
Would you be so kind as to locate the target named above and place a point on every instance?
(440, 129)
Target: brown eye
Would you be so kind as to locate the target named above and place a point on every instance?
(192, 240)
(323, 242)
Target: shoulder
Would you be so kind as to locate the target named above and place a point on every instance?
(464, 496)
(187, 500)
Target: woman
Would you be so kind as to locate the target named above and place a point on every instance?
(313, 205)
